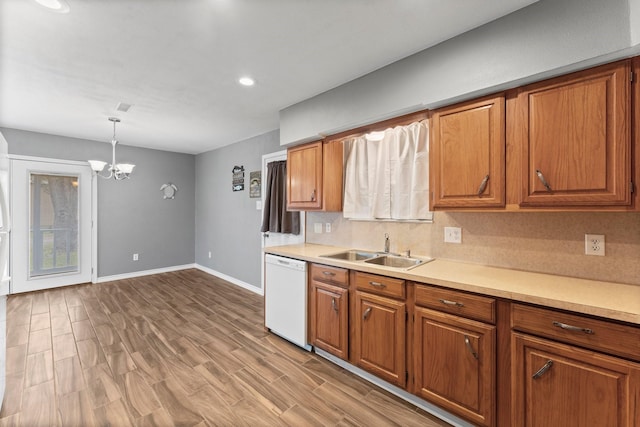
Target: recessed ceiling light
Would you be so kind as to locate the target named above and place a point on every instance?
(246, 81)
(60, 6)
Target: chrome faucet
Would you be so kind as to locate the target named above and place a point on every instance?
(386, 243)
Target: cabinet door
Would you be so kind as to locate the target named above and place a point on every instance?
(304, 176)
(576, 139)
(558, 385)
(468, 155)
(329, 318)
(455, 364)
(379, 342)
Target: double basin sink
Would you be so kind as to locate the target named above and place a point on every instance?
(379, 258)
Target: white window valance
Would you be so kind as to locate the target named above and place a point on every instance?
(388, 177)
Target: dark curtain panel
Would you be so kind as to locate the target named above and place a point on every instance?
(276, 217)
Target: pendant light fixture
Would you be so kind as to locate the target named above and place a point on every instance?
(117, 171)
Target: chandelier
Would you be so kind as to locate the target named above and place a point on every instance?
(116, 170)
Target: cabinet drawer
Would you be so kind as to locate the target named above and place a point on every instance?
(460, 303)
(595, 334)
(324, 273)
(380, 285)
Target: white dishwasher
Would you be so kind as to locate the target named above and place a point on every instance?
(285, 299)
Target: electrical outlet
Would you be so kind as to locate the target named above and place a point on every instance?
(317, 227)
(453, 235)
(327, 227)
(135, 257)
(209, 254)
(594, 244)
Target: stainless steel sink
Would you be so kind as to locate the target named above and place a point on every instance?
(352, 255)
(395, 261)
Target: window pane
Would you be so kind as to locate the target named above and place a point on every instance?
(53, 243)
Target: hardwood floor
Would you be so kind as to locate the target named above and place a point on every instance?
(183, 349)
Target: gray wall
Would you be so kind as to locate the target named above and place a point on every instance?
(547, 38)
(132, 215)
(227, 222)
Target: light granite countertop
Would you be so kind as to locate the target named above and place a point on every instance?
(610, 300)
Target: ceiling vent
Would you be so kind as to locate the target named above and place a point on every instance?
(124, 107)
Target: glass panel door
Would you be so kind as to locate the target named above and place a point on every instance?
(50, 224)
(53, 242)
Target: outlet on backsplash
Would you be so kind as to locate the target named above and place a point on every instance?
(594, 244)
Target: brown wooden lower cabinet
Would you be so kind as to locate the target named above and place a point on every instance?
(556, 384)
(379, 340)
(454, 364)
(329, 318)
(492, 362)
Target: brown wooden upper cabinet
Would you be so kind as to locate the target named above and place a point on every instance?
(575, 135)
(468, 155)
(314, 176)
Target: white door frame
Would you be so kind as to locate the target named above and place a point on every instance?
(93, 214)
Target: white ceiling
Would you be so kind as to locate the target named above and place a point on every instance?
(178, 61)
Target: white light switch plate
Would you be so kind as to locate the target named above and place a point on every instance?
(317, 227)
(453, 235)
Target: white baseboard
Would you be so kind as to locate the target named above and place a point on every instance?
(134, 274)
(230, 279)
(207, 270)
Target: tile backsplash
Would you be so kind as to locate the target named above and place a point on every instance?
(545, 242)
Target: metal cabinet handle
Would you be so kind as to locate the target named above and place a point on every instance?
(467, 341)
(378, 285)
(334, 305)
(483, 185)
(313, 195)
(328, 273)
(573, 328)
(447, 302)
(543, 180)
(366, 314)
(542, 370)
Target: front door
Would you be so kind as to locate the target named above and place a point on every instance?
(51, 231)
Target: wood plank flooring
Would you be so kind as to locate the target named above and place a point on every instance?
(174, 349)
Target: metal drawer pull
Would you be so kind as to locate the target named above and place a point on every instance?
(542, 370)
(328, 273)
(483, 185)
(542, 180)
(366, 314)
(334, 305)
(573, 328)
(378, 284)
(313, 195)
(447, 302)
(467, 341)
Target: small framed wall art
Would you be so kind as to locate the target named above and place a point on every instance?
(237, 180)
(255, 184)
